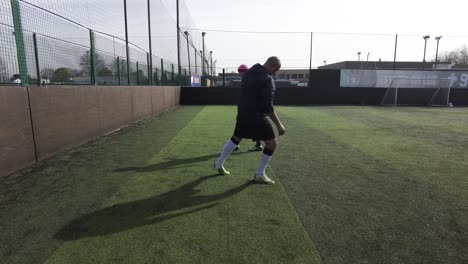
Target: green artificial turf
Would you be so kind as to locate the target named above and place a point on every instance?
(373, 185)
(164, 205)
(36, 203)
(354, 185)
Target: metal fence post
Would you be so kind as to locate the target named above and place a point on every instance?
(92, 56)
(36, 57)
(150, 69)
(118, 70)
(173, 73)
(162, 73)
(19, 38)
(137, 74)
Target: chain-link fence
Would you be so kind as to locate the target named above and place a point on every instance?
(95, 43)
(8, 63)
(118, 43)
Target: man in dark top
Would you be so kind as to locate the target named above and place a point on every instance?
(256, 103)
(258, 146)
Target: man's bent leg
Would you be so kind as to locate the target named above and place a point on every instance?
(228, 148)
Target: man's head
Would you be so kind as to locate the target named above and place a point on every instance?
(273, 64)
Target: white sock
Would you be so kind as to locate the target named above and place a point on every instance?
(228, 148)
(263, 164)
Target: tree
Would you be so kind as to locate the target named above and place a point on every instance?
(105, 72)
(62, 75)
(156, 77)
(85, 63)
(121, 66)
(457, 56)
(47, 73)
(140, 76)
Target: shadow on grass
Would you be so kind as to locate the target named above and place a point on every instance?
(173, 163)
(148, 211)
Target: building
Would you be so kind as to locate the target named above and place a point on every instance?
(298, 76)
(388, 65)
(301, 76)
(229, 78)
(234, 79)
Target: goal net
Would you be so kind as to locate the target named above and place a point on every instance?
(409, 91)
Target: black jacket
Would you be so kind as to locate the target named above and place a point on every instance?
(257, 91)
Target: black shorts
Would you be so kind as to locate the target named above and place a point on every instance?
(261, 130)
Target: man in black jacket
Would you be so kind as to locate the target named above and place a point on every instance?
(256, 103)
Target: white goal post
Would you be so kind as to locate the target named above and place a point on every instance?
(437, 91)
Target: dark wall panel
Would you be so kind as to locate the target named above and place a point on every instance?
(324, 90)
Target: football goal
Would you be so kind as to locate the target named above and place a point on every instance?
(410, 91)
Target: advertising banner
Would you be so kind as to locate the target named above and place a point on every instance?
(383, 78)
(195, 80)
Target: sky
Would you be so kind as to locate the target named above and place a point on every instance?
(381, 19)
(365, 16)
(249, 31)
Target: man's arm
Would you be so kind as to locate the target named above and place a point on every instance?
(268, 92)
(274, 117)
(267, 105)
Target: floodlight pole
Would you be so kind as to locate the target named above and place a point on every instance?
(188, 53)
(214, 67)
(367, 62)
(424, 57)
(203, 58)
(196, 53)
(437, 50)
(178, 45)
(211, 63)
(394, 54)
(126, 43)
(310, 61)
(150, 57)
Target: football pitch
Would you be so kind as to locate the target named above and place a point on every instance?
(353, 185)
